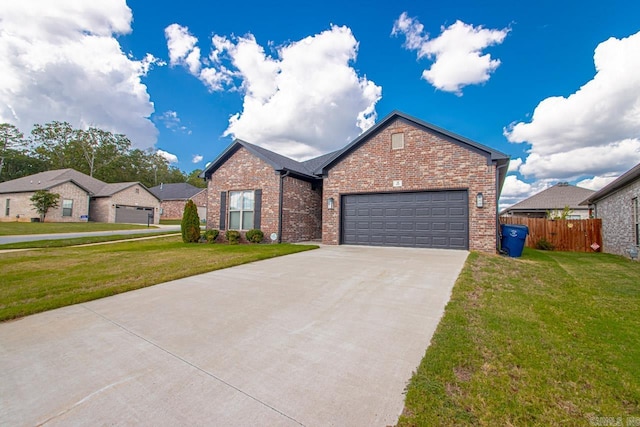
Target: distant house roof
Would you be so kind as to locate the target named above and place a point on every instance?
(316, 167)
(176, 191)
(623, 180)
(556, 197)
(50, 179)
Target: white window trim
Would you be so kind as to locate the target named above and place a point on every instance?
(70, 208)
(241, 210)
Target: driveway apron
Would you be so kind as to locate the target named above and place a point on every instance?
(324, 337)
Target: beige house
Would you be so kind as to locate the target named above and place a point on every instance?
(82, 198)
(552, 201)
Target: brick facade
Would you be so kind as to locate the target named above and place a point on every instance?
(174, 209)
(427, 162)
(21, 209)
(617, 219)
(301, 211)
(244, 171)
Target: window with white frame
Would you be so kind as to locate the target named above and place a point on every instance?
(241, 209)
(67, 207)
(7, 206)
(636, 220)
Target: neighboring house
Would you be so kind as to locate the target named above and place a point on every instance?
(82, 198)
(553, 201)
(173, 197)
(618, 207)
(403, 182)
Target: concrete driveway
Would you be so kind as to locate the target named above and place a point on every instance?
(325, 337)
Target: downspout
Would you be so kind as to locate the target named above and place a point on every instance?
(282, 177)
(498, 205)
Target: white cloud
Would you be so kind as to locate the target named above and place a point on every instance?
(594, 131)
(197, 158)
(305, 101)
(515, 190)
(172, 122)
(61, 61)
(456, 53)
(515, 164)
(169, 157)
(596, 183)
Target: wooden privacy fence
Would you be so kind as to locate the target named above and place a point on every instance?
(573, 235)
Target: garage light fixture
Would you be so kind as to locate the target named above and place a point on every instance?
(479, 200)
(330, 203)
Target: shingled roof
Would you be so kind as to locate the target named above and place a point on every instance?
(175, 191)
(49, 179)
(623, 180)
(556, 197)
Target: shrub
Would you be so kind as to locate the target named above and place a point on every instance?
(544, 245)
(254, 236)
(211, 235)
(190, 223)
(233, 236)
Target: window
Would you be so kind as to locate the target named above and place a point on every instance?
(241, 206)
(6, 208)
(397, 141)
(636, 220)
(137, 191)
(67, 207)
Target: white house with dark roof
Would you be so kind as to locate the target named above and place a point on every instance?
(553, 200)
(82, 198)
(617, 204)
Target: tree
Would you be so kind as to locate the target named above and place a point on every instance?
(43, 200)
(52, 142)
(190, 223)
(564, 214)
(10, 139)
(194, 179)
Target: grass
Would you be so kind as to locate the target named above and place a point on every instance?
(35, 281)
(171, 221)
(552, 338)
(21, 228)
(60, 243)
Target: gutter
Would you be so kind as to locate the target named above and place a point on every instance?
(281, 197)
(498, 244)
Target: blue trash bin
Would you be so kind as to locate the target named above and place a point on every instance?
(513, 237)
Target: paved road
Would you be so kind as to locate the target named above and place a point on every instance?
(325, 337)
(57, 236)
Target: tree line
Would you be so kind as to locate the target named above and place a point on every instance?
(101, 154)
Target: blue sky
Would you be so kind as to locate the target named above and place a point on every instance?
(303, 79)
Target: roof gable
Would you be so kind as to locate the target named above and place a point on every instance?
(50, 179)
(492, 155)
(555, 197)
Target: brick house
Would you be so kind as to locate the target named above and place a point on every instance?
(618, 207)
(404, 182)
(173, 198)
(82, 198)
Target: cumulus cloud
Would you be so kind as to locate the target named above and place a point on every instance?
(169, 157)
(197, 158)
(515, 190)
(61, 61)
(594, 132)
(172, 122)
(515, 164)
(456, 54)
(304, 100)
(596, 183)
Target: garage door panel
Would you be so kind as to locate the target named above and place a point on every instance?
(437, 219)
(134, 214)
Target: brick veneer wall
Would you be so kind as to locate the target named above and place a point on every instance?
(244, 171)
(174, 209)
(617, 219)
(103, 208)
(20, 204)
(301, 211)
(427, 162)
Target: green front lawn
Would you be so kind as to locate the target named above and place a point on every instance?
(552, 338)
(21, 228)
(44, 279)
(60, 243)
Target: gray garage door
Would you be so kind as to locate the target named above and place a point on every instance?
(433, 219)
(133, 214)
